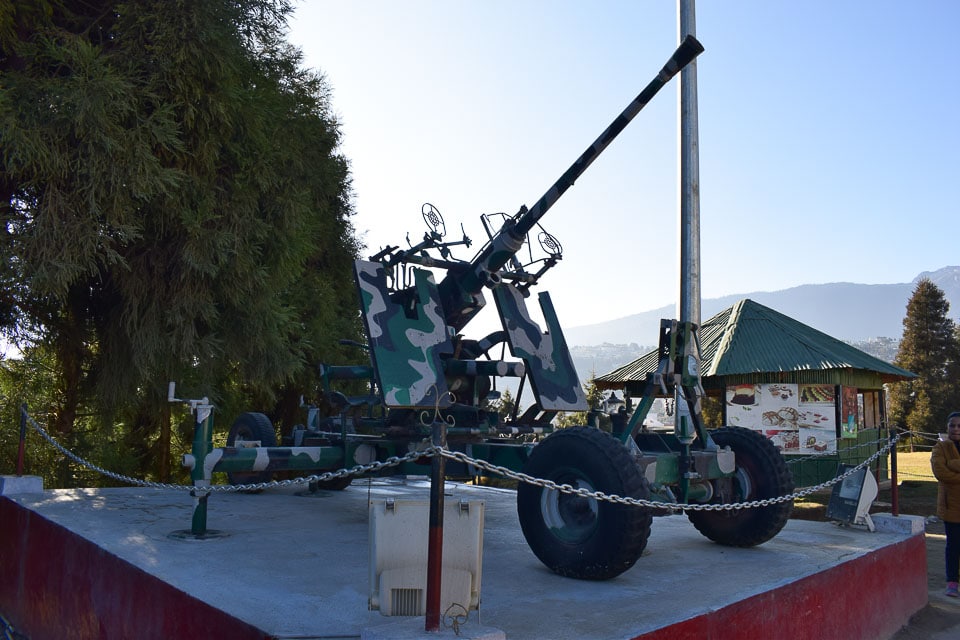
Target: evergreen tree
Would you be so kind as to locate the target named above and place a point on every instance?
(504, 405)
(570, 419)
(174, 207)
(953, 373)
(595, 401)
(930, 349)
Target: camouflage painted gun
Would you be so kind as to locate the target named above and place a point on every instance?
(423, 370)
(413, 324)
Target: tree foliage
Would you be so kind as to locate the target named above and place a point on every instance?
(929, 348)
(504, 406)
(594, 415)
(174, 208)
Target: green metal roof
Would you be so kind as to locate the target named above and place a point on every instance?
(749, 342)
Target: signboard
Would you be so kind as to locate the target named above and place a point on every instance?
(797, 418)
(851, 499)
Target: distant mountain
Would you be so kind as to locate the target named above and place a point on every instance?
(884, 348)
(847, 311)
(596, 360)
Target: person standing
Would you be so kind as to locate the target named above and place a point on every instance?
(945, 461)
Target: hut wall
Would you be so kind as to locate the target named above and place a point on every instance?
(809, 471)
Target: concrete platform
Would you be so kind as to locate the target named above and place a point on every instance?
(100, 563)
(11, 485)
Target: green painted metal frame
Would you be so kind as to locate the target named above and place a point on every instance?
(811, 471)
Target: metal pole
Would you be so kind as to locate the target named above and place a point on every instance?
(435, 535)
(689, 231)
(894, 491)
(23, 439)
(202, 445)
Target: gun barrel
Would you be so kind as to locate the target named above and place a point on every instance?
(459, 291)
(689, 49)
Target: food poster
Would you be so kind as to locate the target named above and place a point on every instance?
(818, 422)
(849, 413)
(797, 418)
(743, 405)
(772, 409)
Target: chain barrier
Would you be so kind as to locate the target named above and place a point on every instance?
(651, 504)
(430, 451)
(824, 454)
(930, 437)
(910, 474)
(8, 632)
(225, 488)
(922, 435)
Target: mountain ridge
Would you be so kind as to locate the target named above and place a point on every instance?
(845, 310)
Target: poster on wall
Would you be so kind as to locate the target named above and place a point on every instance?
(818, 422)
(849, 413)
(743, 406)
(796, 418)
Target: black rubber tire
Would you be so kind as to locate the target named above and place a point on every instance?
(761, 473)
(581, 537)
(251, 426)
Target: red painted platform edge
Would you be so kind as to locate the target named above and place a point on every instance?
(58, 585)
(865, 598)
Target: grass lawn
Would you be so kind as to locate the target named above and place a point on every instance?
(917, 491)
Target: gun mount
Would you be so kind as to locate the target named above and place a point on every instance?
(461, 289)
(422, 371)
(396, 306)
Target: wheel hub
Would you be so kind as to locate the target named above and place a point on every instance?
(571, 518)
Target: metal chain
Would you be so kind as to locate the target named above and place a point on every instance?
(225, 488)
(824, 454)
(923, 435)
(650, 504)
(904, 474)
(356, 471)
(433, 450)
(9, 633)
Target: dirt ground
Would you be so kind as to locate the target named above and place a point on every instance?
(941, 613)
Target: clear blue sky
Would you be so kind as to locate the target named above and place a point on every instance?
(828, 135)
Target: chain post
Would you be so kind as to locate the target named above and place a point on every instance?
(435, 535)
(202, 445)
(894, 490)
(23, 439)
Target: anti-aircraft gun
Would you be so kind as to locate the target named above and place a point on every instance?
(423, 369)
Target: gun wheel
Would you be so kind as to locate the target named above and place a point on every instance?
(581, 537)
(251, 426)
(761, 473)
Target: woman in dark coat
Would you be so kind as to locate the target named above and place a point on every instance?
(945, 461)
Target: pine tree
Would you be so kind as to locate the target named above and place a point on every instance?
(953, 372)
(929, 348)
(595, 401)
(504, 405)
(174, 206)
